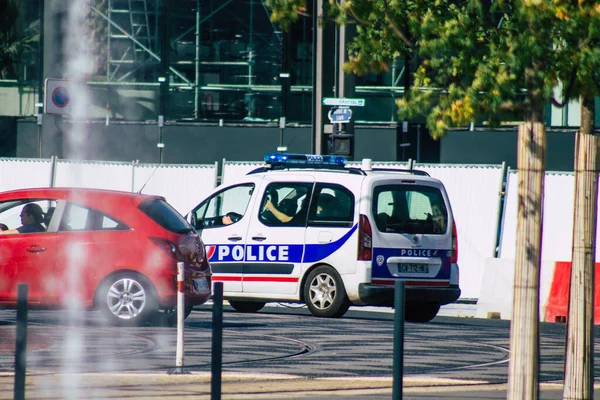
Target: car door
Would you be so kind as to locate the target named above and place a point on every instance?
(331, 227)
(26, 257)
(275, 248)
(91, 244)
(223, 219)
(412, 234)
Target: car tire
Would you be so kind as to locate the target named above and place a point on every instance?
(246, 306)
(423, 312)
(127, 299)
(324, 293)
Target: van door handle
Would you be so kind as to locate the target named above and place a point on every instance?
(259, 238)
(36, 249)
(234, 238)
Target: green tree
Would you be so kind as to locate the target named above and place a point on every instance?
(580, 62)
(491, 61)
(13, 44)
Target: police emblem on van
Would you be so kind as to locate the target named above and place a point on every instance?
(380, 259)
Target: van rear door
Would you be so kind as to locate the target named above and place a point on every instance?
(412, 236)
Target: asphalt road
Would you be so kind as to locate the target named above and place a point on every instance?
(280, 352)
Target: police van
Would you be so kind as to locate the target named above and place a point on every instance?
(311, 229)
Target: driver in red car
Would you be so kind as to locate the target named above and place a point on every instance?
(32, 217)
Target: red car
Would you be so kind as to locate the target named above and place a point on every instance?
(109, 250)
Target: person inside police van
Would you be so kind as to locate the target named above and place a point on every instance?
(3, 227)
(230, 218)
(32, 218)
(439, 217)
(280, 215)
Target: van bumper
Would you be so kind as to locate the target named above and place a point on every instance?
(377, 295)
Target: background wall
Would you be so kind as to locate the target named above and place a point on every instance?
(191, 143)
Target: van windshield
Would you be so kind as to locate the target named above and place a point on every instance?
(410, 209)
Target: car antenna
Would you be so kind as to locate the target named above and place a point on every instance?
(148, 180)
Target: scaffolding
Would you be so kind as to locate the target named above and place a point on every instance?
(241, 65)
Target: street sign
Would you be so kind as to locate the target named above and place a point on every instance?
(333, 101)
(58, 96)
(340, 115)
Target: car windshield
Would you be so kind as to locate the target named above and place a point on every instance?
(166, 216)
(410, 209)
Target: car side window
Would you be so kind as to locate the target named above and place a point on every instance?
(223, 208)
(285, 204)
(332, 205)
(11, 210)
(79, 218)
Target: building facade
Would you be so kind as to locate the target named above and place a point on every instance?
(201, 80)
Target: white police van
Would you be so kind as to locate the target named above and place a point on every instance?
(310, 229)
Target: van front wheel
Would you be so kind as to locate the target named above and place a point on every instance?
(324, 293)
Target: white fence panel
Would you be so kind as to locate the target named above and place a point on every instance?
(18, 173)
(234, 170)
(474, 194)
(557, 232)
(184, 186)
(94, 175)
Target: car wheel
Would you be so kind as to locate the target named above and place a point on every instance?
(127, 299)
(246, 306)
(423, 312)
(324, 293)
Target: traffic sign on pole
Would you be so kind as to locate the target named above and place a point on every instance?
(340, 115)
(333, 101)
(58, 96)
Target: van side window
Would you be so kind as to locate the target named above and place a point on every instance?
(285, 204)
(410, 209)
(224, 208)
(332, 205)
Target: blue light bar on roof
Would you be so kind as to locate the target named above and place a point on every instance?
(283, 159)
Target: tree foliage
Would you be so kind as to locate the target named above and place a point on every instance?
(477, 59)
(13, 44)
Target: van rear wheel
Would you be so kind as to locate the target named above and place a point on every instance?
(324, 293)
(423, 312)
(246, 306)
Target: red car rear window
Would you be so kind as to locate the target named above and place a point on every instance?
(166, 216)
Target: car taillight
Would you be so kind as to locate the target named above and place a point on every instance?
(365, 239)
(454, 257)
(168, 247)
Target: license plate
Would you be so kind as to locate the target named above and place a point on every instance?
(200, 285)
(414, 268)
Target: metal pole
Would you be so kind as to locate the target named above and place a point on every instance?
(180, 318)
(40, 117)
(41, 80)
(197, 62)
(21, 343)
(53, 170)
(398, 340)
(501, 207)
(317, 76)
(217, 342)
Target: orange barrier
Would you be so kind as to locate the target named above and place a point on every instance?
(557, 308)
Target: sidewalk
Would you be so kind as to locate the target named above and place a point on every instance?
(197, 386)
(237, 386)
